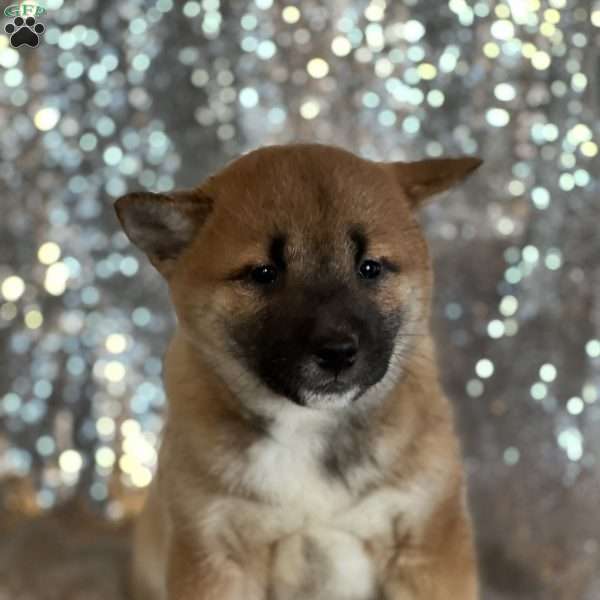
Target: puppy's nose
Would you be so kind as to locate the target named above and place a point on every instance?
(336, 354)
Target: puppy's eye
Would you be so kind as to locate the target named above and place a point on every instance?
(369, 269)
(263, 274)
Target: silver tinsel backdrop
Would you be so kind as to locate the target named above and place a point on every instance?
(126, 95)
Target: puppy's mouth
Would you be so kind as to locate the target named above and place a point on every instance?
(327, 397)
(333, 386)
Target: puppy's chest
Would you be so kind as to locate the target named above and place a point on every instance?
(318, 529)
(295, 490)
(292, 473)
(319, 534)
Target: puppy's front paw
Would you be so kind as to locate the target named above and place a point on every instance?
(322, 564)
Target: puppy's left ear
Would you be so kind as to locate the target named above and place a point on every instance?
(425, 178)
(163, 225)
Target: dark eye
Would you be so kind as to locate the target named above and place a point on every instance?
(369, 269)
(263, 274)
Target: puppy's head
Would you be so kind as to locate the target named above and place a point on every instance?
(298, 270)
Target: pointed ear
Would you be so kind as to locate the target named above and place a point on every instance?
(162, 225)
(424, 178)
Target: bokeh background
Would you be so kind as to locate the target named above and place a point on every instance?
(131, 94)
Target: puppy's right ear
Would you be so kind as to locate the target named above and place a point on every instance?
(162, 225)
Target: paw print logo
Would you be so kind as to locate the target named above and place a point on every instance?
(24, 31)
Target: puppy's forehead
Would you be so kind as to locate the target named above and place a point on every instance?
(302, 186)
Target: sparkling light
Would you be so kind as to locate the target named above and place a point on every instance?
(116, 343)
(56, 278)
(105, 426)
(105, 457)
(427, 71)
(413, 30)
(491, 50)
(575, 405)
(541, 60)
(589, 149)
(484, 368)
(310, 109)
(317, 68)
(497, 117)
(511, 456)
(495, 329)
(114, 371)
(592, 348)
(503, 29)
(509, 306)
(505, 92)
(70, 461)
(13, 288)
(474, 388)
(341, 46)
(291, 14)
(248, 97)
(33, 319)
(571, 441)
(46, 118)
(141, 477)
(548, 372)
(48, 253)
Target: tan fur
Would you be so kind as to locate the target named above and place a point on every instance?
(235, 514)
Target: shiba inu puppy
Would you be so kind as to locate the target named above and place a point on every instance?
(309, 452)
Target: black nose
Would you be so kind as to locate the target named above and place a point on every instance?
(336, 354)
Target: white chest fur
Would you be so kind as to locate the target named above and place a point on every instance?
(317, 524)
(284, 468)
